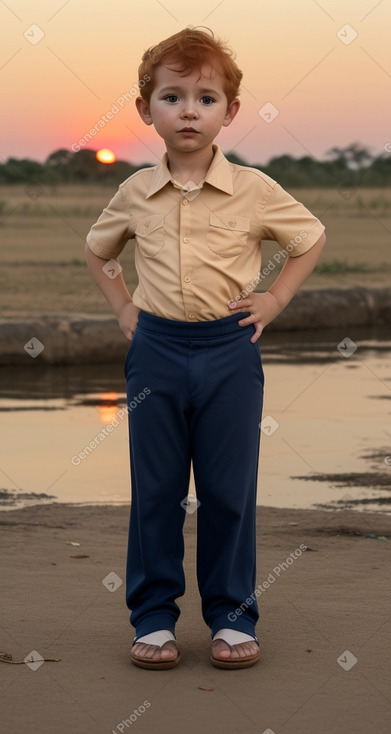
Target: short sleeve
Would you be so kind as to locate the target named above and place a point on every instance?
(110, 233)
(290, 223)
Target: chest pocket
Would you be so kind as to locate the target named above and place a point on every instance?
(227, 234)
(149, 234)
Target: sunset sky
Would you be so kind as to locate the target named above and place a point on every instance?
(330, 90)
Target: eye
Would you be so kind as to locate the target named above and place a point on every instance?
(211, 98)
(170, 96)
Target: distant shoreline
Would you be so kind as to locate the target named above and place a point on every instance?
(85, 338)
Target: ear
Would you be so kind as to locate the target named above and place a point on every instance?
(143, 110)
(232, 111)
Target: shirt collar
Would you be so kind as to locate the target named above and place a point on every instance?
(218, 175)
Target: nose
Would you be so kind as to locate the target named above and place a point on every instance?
(188, 110)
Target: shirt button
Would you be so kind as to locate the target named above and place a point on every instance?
(231, 224)
(186, 239)
(191, 316)
(187, 279)
(146, 224)
(184, 202)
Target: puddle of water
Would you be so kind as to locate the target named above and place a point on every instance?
(333, 416)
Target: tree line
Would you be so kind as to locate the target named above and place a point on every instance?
(351, 166)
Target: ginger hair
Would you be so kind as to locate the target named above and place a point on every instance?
(192, 49)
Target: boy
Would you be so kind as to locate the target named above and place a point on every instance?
(194, 355)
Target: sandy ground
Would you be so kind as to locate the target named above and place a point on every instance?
(330, 602)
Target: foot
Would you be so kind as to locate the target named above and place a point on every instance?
(167, 651)
(155, 650)
(232, 649)
(223, 651)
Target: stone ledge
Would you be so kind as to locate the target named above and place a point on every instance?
(86, 338)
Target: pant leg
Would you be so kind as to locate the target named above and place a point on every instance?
(160, 472)
(225, 442)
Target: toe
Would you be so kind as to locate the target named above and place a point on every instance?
(149, 651)
(142, 650)
(244, 649)
(168, 651)
(221, 649)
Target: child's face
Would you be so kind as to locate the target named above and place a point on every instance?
(192, 101)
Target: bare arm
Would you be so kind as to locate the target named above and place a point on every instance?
(115, 292)
(295, 271)
(264, 307)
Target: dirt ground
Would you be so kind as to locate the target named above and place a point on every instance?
(324, 630)
(44, 230)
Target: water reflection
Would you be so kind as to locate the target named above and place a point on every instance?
(108, 407)
(329, 451)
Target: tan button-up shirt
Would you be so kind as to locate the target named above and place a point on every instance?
(199, 247)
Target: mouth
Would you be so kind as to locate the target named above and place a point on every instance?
(188, 130)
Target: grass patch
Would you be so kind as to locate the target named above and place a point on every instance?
(333, 267)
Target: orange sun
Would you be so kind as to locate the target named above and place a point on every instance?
(105, 155)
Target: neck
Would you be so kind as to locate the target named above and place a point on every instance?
(189, 166)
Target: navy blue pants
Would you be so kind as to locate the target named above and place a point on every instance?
(194, 394)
